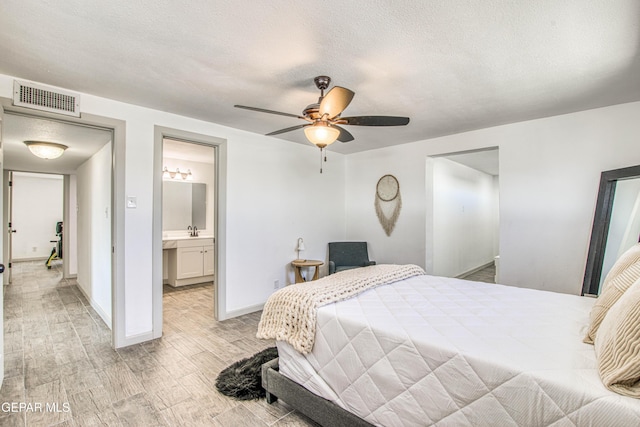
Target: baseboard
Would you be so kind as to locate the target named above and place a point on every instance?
(192, 281)
(470, 272)
(29, 259)
(105, 318)
(242, 311)
(136, 339)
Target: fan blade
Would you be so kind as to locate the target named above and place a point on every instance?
(262, 110)
(335, 101)
(374, 121)
(345, 135)
(278, 132)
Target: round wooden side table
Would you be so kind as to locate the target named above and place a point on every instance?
(298, 264)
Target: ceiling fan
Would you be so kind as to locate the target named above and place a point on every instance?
(324, 123)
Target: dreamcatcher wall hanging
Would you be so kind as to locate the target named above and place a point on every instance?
(388, 202)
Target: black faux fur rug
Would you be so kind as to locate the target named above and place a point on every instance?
(243, 379)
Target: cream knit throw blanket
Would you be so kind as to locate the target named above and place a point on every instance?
(290, 313)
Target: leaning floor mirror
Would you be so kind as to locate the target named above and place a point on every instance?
(616, 224)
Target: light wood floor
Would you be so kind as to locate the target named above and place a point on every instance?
(58, 352)
(487, 274)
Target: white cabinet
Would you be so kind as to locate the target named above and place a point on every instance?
(208, 261)
(192, 261)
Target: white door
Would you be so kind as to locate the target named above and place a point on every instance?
(1, 257)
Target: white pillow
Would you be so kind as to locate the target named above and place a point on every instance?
(622, 275)
(617, 344)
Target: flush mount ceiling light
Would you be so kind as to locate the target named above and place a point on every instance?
(46, 150)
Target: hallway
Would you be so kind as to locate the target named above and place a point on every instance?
(58, 353)
(486, 274)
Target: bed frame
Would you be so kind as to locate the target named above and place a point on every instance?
(320, 410)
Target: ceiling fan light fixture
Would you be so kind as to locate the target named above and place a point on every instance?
(46, 150)
(321, 134)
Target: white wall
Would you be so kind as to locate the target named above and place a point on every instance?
(278, 195)
(549, 175)
(463, 218)
(273, 195)
(94, 231)
(37, 207)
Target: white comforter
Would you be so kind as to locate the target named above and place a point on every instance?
(432, 350)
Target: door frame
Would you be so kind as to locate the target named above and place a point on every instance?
(430, 250)
(9, 221)
(118, 129)
(219, 219)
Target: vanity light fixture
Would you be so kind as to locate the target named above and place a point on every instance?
(177, 175)
(45, 150)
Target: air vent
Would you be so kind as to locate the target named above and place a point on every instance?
(46, 98)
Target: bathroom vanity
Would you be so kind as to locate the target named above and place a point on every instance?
(187, 254)
(187, 260)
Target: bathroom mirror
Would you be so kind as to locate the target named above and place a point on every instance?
(616, 224)
(183, 204)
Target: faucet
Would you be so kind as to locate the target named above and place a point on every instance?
(193, 231)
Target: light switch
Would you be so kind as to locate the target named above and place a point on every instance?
(132, 202)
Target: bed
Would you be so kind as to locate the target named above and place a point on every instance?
(430, 350)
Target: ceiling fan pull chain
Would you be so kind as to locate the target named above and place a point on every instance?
(321, 160)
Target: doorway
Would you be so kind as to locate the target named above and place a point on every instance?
(36, 210)
(464, 228)
(188, 206)
(87, 162)
(185, 226)
(85, 138)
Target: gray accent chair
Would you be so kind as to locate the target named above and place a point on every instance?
(347, 255)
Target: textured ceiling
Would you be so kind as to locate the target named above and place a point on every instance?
(450, 66)
(192, 152)
(83, 142)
